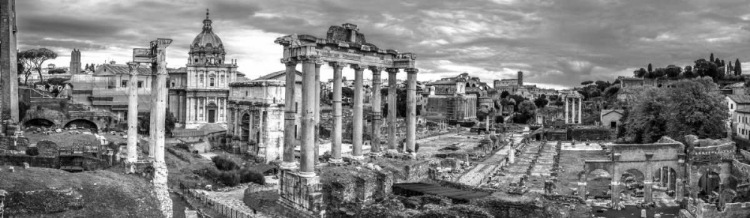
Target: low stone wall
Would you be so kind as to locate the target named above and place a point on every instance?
(230, 211)
(698, 208)
(33, 161)
(590, 134)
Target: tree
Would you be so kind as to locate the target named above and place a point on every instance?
(587, 82)
(649, 67)
(541, 102)
(527, 109)
(673, 71)
(737, 67)
(517, 99)
(688, 72)
(640, 73)
(504, 94)
(712, 57)
(35, 58)
(602, 85)
(611, 91)
(691, 107)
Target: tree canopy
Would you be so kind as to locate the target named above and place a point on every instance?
(691, 107)
(34, 59)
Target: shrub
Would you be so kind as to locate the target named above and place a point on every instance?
(32, 151)
(253, 176)
(224, 163)
(229, 178)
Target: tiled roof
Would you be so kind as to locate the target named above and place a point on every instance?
(211, 128)
(740, 99)
(443, 82)
(277, 74)
(743, 110)
(112, 69)
(736, 85)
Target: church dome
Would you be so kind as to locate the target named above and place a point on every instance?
(207, 38)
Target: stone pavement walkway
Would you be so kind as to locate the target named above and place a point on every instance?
(229, 203)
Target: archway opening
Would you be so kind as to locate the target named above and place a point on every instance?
(664, 183)
(598, 184)
(710, 187)
(632, 184)
(82, 124)
(245, 128)
(39, 122)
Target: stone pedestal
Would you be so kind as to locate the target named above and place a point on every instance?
(582, 190)
(301, 191)
(647, 191)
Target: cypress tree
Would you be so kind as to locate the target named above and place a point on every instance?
(712, 57)
(737, 67)
(649, 67)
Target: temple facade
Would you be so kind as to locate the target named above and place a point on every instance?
(453, 99)
(198, 93)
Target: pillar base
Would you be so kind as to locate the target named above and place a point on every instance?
(306, 174)
(358, 158)
(376, 154)
(392, 151)
(288, 165)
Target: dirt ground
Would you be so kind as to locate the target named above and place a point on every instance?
(571, 164)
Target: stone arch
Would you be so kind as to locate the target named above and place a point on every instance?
(85, 123)
(666, 180)
(598, 182)
(244, 123)
(39, 122)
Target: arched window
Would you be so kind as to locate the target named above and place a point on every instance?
(222, 79)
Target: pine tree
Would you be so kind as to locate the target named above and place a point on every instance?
(737, 67)
(649, 67)
(712, 57)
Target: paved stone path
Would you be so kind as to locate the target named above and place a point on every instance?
(233, 200)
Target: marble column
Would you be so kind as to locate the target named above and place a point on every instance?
(290, 116)
(580, 112)
(376, 108)
(152, 114)
(358, 118)
(133, 114)
(317, 111)
(566, 110)
(392, 125)
(411, 110)
(161, 101)
(336, 132)
(307, 161)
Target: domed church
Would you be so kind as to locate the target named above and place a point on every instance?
(198, 93)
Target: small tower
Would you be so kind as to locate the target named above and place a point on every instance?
(520, 78)
(75, 61)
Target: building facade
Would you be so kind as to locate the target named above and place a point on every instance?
(448, 102)
(75, 62)
(198, 93)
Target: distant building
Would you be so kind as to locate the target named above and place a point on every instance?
(733, 89)
(448, 101)
(107, 89)
(75, 62)
(741, 123)
(611, 118)
(198, 93)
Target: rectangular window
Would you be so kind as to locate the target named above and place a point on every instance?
(124, 83)
(731, 106)
(295, 107)
(140, 84)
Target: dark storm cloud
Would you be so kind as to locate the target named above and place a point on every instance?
(554, 42)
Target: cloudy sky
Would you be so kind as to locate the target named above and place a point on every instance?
(555, 43)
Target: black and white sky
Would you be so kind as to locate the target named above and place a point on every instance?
(555, 43)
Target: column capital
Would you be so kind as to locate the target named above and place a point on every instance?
(391, 70)
(411, 70)
(133, 66)
(337, 64)
(358, 67)
(289, 62)
(162, 42)
(319, 63)
(376, 69)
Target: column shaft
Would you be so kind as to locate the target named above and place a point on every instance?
(358, 116)
(392, 125)
(336, 133)
(161, 101)
(307, 162)
(376, 108)
(411, 109)
(580, 112)
(317, 111)
(566, 110)
(133, 114)
(290, 116)
(152, 117)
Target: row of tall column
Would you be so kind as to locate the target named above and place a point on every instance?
(310, 116)
(571, 112)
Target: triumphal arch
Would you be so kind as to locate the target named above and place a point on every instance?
(343, 46)
(663, 161)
